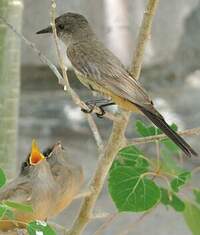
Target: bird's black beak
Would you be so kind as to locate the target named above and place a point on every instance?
(46, 30)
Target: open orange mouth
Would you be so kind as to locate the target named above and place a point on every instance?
(36, 156)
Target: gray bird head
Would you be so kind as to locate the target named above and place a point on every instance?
(55, 154)
(70, 26)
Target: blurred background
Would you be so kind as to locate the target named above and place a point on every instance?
(30, 91)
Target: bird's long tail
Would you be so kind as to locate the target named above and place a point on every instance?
(159, 121)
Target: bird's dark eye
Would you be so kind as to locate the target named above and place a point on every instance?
(24, 167)
(61, 26)
(25, 164)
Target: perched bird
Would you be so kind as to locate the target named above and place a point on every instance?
(67, 174)
(101, 71)
(34, 186)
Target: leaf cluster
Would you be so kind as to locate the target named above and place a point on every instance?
(138, 182)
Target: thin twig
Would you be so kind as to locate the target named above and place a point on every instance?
(149, 139)
(82, 195)
(101, 215)
(37, 51)
(106, 223)
(157, 153)
(131, 226)
(96, 133)
(60, 59)
(58, 227)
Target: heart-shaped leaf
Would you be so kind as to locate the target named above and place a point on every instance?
(131, 191)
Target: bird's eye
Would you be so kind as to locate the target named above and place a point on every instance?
(25, 164)
(61, 26)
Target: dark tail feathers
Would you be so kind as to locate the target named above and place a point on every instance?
(159, 121)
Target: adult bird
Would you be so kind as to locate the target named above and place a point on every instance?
(101, 71)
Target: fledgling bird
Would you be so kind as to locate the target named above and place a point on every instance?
(67, 174)
(34, 186)
(101, 71)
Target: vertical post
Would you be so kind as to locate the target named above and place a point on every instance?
(10, 54)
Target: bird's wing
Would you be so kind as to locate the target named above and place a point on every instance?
(16, 190)
(101, 66)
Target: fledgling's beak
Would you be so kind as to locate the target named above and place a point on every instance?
(46, 30)
(36, 156)
(54, 150)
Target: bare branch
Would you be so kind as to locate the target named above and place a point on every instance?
(57, 227)
(149, 139)
(38, 52)
(83, 194)
(102, 215)
(96, 133)
(144, 35)
(131, 226)
(115, 142)
(108, 221)
(60, 60)
(103, 166)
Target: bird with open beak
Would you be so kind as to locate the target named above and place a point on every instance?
(34, 186)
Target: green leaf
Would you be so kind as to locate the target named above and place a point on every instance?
(174, 127)
(145, 130)
(180, 180)
(2, 210)
(131, 191)
(191, 215)
(171, 199)
(19, 206)
(9, 214)
(133, 157)
(40, 226)
(197, 195)
(2, 178)
(6, 212)
(150, 130)
(171, 146)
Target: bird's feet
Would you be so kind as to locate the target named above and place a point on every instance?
(90, 107)
(92, 103)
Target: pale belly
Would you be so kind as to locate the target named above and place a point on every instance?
(120, 101)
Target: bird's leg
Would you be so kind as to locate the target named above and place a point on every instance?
(92, 103)
(90, 106)
(102, 110)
